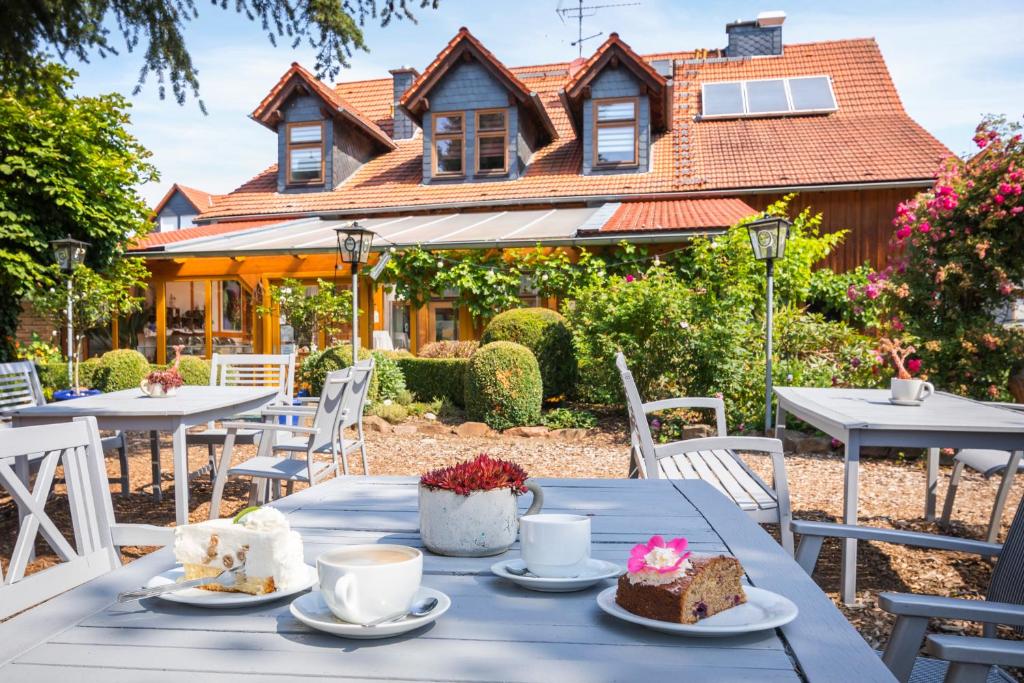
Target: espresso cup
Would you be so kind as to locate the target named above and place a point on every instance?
(910, 389)
(361, 583)
(555, 546)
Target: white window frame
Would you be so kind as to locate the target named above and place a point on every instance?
(746, 114)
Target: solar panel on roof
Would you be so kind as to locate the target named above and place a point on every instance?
(774, 96)
(722, 99)
(812, 93)
(766, 96)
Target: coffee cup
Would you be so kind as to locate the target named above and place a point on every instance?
(910, 389)
(361, 583)
(555, 546)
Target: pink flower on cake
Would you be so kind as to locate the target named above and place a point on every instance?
(657, 555)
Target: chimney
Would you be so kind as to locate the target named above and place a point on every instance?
(762, 36)
(401, 79)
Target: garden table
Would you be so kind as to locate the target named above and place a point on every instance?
(864, 417)
(132, 411)
(494, 631)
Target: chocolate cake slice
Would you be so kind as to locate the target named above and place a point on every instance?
(703, 586)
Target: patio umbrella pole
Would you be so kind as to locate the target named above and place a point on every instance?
(71, 340)
(770, 265)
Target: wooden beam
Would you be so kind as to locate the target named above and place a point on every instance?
(160, 301)
(265, 321)
(208, 320)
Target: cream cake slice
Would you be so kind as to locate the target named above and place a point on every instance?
(260, 541)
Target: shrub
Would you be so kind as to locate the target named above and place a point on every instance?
(392, 412)
(194, 370)
(546, 334)
(54, 376)
(120, 369)
(503, 386)
(395, 354)
(405, 397)
(564, 418)
(315, 367)
(432, 378)
(390, 380)
(449, 349)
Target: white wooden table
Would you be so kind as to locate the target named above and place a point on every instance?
(494, 631)
(864, 417)
(132, 411)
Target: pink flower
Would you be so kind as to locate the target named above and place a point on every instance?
(629, 278)
(904, 232)
(851, 293)
(1004, 188)
(925, 226)
(999, 199)
(914, 365)
(872, 291)
(897, 324)
(639, 554)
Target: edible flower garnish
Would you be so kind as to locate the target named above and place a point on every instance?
(657, 555)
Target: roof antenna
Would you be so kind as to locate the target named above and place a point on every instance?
(567, 9)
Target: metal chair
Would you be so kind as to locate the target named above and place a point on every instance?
(712, 459)
(20, 388)
(989, 463)
(1003, 603)
(321, 437)
(96, 538)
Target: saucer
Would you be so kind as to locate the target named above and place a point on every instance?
(198, 597)
(596, 570)
(312, 611)
(905, 402)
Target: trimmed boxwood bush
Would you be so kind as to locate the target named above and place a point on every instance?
(121, 369)
(194, 370)
(503, 386)
(546, 334)
(433, 378)
(54, 376)
(315, 367)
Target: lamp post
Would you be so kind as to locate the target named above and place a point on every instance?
(69, 253)
(354, 245)
(768, 240)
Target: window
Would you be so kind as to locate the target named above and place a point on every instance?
(449, 144)
(188, 221)
(615, 132)
(168, 223)
(775, 96)
(491, 142)
(445, 321)
(305, 153)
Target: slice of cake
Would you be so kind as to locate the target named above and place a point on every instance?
(666, 582)
(260, 541)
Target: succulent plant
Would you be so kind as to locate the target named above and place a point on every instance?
(482, 473)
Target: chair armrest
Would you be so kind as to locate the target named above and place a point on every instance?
(290, 410)
(141, 534)
(308, 399)
(972, 650)
(269, 427)
(936, 606)
(909, 538)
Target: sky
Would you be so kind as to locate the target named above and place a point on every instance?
(952, 62)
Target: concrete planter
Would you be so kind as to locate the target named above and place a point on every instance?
(478, 525)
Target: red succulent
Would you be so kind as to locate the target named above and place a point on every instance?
(482, 473)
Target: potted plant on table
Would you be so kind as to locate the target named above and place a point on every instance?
(164, 383)
(469, 509)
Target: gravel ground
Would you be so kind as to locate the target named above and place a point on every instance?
(892, 496)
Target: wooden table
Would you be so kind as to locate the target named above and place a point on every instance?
(495, 631)
(864, 417)
(132, 411)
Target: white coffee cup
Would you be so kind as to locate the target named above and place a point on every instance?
(555, 546)
(361, 583)
(910, 389)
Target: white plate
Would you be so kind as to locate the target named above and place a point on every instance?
(203, 598)
(905, 402)
(597, 570)
(312, 611)
(762, 610)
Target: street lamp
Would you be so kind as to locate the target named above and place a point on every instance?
(768, 240)
(70, 253)
(354, 245)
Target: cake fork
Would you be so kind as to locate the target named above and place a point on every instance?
(225, 578)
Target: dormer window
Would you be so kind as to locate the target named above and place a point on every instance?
(305, 153)
(615, 132)
(449, 145)
(491, 142)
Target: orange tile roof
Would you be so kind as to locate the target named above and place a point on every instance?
(869, 139)
(585, 73)
(200, 199)
(158, 239)
(678, 214)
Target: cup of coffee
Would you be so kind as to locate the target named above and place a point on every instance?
(910, 389)
(361, 583)
(555, 546)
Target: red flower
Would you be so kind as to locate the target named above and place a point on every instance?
(482, 473)
(914, 365)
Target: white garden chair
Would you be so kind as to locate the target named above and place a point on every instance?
(712, 459)
(93, 550)
(320, 438)
(20, 388)
(971, 659)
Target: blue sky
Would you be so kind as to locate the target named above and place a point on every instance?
(952, 62)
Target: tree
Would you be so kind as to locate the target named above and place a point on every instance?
(68, 166)
(80, 27)
(327, 310)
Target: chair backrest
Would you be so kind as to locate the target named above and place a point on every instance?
(329, 409)
(1007, 583)
(355, 398)
(76, 446)
(255, 370)
(19, 387)
(639, 430)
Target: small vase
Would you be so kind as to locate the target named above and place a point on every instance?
(480, 524)
(156, 390)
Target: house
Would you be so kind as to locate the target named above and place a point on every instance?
(179, 208)
(472, 154)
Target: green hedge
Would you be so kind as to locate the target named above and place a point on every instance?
(315, 367)
(546, 334)
(433, 378)
(54, 376)
(121, 369)
(503, 386)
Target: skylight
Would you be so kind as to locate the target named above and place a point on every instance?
(768, 97)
